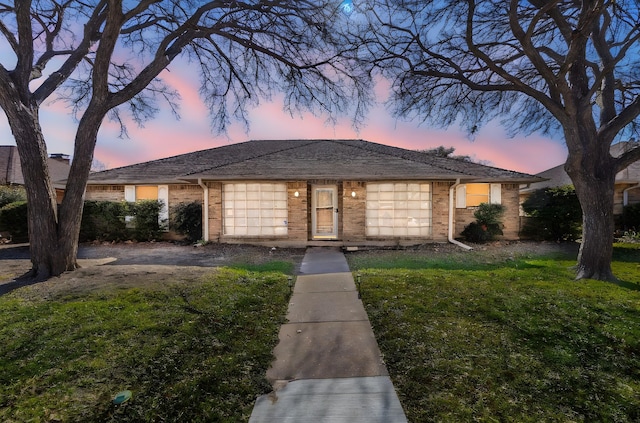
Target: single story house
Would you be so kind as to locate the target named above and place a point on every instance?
(318, 192)
(627, 184)
(11, 169)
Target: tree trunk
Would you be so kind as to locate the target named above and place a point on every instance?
(594, 184)
(50, 253)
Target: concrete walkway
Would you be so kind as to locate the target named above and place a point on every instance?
(328, 367)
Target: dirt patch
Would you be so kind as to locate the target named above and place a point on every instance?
(121, 266)
(125, 265)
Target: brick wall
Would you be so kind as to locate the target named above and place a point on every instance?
(510, 194)
(184, 194)
(440, 210)
(105, 193)
(511, 218)
(215, 211)
(354, 211)
(297, 227)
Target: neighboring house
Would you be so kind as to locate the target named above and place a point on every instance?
(626, 189)
(11, 171)
(314, 192)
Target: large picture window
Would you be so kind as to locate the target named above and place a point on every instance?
(398, 209)
(253, 209)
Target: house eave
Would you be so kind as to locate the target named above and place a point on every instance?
(359, 178)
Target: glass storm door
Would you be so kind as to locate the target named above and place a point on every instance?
(325, 212)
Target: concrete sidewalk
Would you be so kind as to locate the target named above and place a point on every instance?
(328, 367)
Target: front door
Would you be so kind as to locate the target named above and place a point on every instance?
(324, 213)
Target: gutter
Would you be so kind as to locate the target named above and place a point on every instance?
(205, 212)
(451, 208)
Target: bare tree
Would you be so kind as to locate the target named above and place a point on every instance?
(560, 66)
(105, 56)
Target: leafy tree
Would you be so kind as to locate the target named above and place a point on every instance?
(106, 56)
(555, 214)
(542, 65)
(442, 151)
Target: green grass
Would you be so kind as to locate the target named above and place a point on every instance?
(467, 338)
(272, 266)
(194, 351)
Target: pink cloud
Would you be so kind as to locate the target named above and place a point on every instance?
(165, 136)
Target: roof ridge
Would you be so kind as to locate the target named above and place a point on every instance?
(402, 154)
(230, 162)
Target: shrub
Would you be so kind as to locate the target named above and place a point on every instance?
(118, 221)
(104, 221)
(146, 225)
(186, 219)
(631, 217)
(14, 219)
(11, 194)
(554, 214)
(488, 223)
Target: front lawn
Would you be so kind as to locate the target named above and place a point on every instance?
(189, 351)
(468, 337)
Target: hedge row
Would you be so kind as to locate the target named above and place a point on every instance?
(115, 221)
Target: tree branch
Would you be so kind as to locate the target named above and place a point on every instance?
(91, 29)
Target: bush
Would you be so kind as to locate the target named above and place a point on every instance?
(186, 219)
(11, 194)
(554, 214)
(146, 225)
(14, 219)
(104, 221)
(631, 217)
(119, 221)
(488, 223)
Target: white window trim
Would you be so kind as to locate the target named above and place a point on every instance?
(495, 195)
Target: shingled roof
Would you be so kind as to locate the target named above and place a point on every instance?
(305, 159)
(11, 170)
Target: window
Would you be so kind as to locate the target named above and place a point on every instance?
(472, 195)
(134, 193)
(398, 209)
(255, 209)
(146, 193)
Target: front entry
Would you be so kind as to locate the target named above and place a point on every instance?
(324, 212)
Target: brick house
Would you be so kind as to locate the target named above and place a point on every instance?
(11, 169)
(626, 188)
(318, 192)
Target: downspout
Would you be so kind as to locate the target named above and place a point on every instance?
(205, 214)
(451, 208)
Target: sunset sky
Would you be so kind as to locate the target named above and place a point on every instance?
(165, 136)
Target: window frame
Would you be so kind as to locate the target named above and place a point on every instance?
(494, 194)
(407, 212)
(253, 210)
